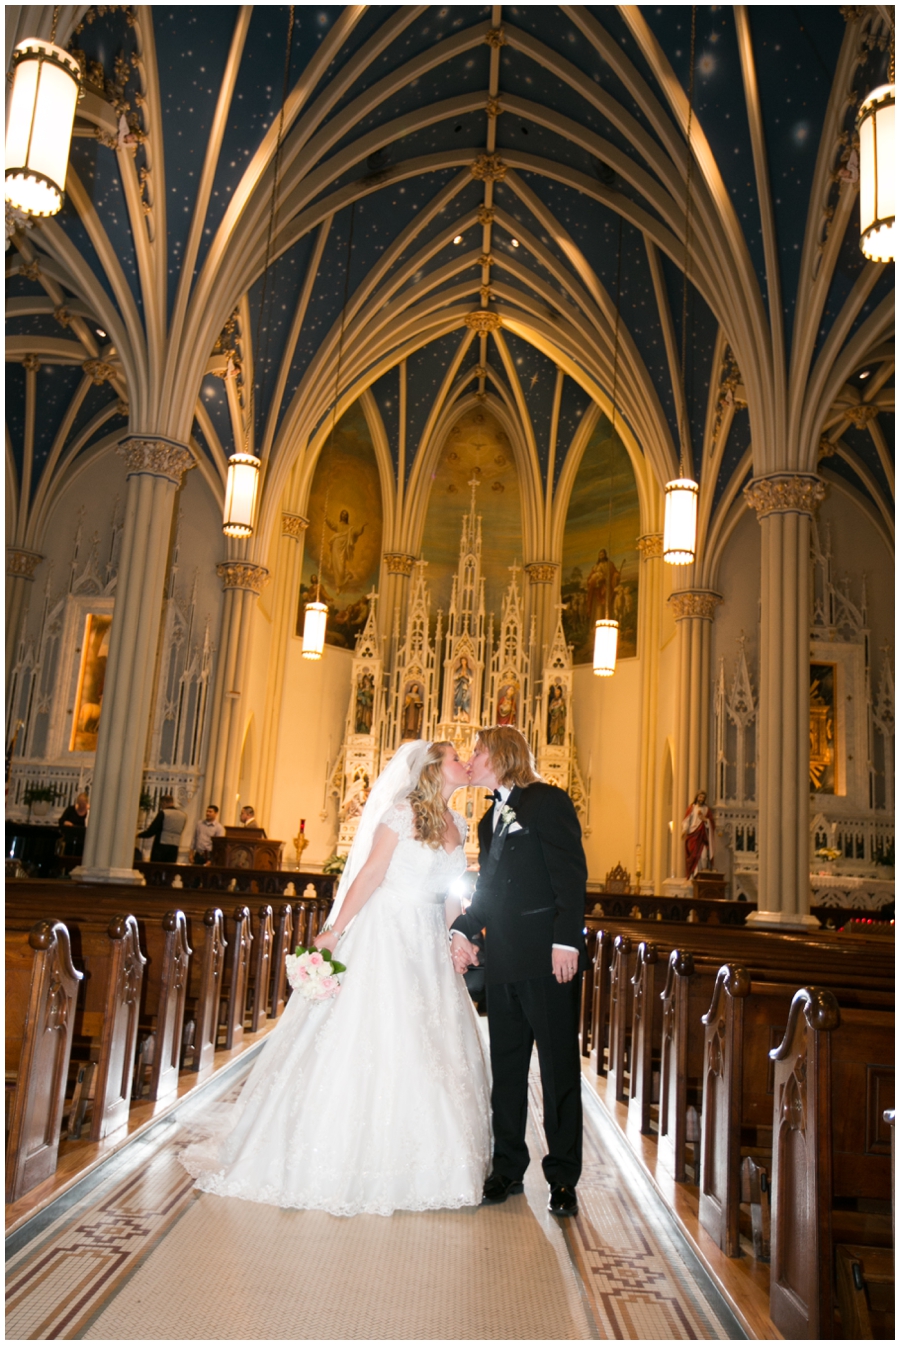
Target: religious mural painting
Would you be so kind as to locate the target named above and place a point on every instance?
(91, 677)
(477, 449)
(343, 541)
(601, 562)
(822, 729)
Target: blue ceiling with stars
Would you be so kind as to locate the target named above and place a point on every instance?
(375, 221)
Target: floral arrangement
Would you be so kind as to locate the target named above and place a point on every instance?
(335, 864)
(314, 973)
(827, 853)
(507, 815)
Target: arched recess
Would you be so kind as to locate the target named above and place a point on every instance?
(345, 501)
(422, 478)
(602, 525)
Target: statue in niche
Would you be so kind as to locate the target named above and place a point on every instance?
(507, 703)
(341, 549)
(699, 831)
(359, 792)
(556, 715)
(462, 691)
(413, 710)
(365, 702)
(602, 581)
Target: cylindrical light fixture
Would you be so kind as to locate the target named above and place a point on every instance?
(241, 490)
(314, 622)
(877, 174)
(606, 643)
(46, 83)
(680, 527)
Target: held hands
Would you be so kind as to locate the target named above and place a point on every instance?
(565, 964)
(463, 953)
(327, 939)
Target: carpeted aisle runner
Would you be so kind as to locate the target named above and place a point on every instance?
(143, 1256)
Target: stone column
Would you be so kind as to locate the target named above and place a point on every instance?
(154, 470)
(20, 568)
(284, 625)
(649, 620)
(243, 582)
(540, 601)
(784, 504)
(396, 569)
(694, 611)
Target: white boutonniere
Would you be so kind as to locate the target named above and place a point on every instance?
(507, 816)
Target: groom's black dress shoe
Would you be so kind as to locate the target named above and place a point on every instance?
(563, 1200)
(498, 1187)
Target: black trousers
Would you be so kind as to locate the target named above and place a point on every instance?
(520, 1014)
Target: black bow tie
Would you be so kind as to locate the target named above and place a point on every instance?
(498, 797)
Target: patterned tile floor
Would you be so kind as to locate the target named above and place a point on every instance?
(142, 1256)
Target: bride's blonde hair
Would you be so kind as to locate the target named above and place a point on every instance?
(429, 808)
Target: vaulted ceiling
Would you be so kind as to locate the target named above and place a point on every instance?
(457, 200)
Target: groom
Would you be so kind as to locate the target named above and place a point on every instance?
(529, 900)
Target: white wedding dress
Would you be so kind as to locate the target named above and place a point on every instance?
(377, 1100)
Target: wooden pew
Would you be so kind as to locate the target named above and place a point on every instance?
(685, 996)
(282, 944)
(233, 984)
(827, 1156)
(41, 994)
(621, 974)
(107, 1013)
(259, 981)
(746, 1019)
(646, 1036)
(600, 1002)
(205, 932)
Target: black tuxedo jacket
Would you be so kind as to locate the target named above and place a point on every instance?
(530, 890)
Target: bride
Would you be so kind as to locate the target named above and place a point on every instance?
(376, 1100)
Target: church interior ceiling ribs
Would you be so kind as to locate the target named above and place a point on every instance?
(484, 157)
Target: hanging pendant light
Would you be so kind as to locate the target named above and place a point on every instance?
(241, 490)
(680, 522)
(680, 526)
(877, 174)
(315, 621)
(606, 642)
(606, 631)
(46, 86)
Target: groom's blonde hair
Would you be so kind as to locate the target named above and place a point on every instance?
(510, 755)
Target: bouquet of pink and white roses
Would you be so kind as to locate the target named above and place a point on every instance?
(314, 973)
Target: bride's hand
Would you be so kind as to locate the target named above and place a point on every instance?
(327, 939)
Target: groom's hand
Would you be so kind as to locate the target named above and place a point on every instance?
(463, 953)
(565, 964)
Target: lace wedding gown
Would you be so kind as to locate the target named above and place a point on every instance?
(377, 1100)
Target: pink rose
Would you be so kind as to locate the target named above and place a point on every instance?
(328, 984)
(316, 959)
(304, 974)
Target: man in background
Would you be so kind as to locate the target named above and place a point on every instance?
(206, 829)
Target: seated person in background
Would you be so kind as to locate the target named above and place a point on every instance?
(76, 814)
(166, 829)
(206, 829)
(72, 824)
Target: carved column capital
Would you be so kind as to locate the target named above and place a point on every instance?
(242, 574)
(483, 321)
(31, 363)
(785, 493)
(22, 564)
(156, 457)
(541, 571)
(651, 546)
(694, 603)
(293, 525)
(399, 562)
